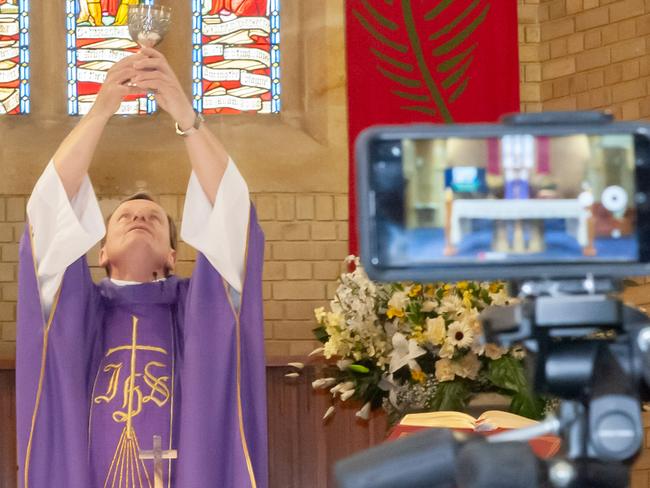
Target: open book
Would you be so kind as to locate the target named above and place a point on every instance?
(489, 422)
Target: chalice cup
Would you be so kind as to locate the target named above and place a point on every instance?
(148, 23)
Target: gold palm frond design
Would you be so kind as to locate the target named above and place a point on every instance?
(428, 61)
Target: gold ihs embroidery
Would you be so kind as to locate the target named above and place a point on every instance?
(126, 468)
(112, 384)
(159, 389)
(158, 393)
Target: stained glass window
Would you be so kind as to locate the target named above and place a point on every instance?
(98, 37)
(14, 56)
(236, 56)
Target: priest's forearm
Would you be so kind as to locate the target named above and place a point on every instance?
(208, 157)
(75, 153)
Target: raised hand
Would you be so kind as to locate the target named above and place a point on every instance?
(154, 73)
(117, 85)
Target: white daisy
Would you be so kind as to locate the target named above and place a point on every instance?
(460, 335)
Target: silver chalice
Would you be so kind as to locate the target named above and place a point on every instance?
(148, 23)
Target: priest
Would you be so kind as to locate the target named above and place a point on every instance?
(103, 368)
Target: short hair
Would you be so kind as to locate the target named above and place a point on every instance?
(143, 195)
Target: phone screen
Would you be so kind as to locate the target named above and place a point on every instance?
(512, 198)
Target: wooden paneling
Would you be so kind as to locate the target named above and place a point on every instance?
(8, 464)
(302, 448)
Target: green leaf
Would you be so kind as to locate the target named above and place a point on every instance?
(507, 373)
(528, 405)
(320, 334)
(451, 395)
(457, 40)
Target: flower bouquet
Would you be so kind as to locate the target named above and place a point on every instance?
(411, 347)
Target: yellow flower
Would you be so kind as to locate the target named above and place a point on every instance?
(320, 314)
(468, 366)
(418, 336)
(333, 319)
(495, 286)
(493, 351)
(447, 350)
(444, 370)
(415, 290)
(418, 376)
(430, 290)
(467, 299)
(428, 306)
(462, 285)
(394, 312)
(436, 331)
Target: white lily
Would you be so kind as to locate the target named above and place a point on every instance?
(318, 350)
(329, 413)
(297, 365)
(364, 413)
(342, 387)
(344, 363)
(404, 353)
(292, 375)
(348, 385)
(346, 394)
(322, 383)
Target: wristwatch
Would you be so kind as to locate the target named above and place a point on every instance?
(197, 123)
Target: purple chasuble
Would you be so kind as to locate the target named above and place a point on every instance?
(112, 366)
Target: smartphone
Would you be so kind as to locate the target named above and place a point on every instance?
(539, 196)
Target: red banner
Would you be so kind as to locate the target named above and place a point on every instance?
(438, 61)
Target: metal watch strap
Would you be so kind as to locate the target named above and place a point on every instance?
(197, 123)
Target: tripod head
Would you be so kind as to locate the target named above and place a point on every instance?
(588, 350)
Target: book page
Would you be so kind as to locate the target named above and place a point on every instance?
(488, 420)
(495, 419)
(445, 419)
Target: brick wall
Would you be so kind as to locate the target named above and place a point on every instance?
(585, 54)
(306, 241)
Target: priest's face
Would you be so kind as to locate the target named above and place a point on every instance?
(137, 237)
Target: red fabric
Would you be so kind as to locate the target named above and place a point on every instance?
(492, 77)
(242, 8)
(493, 166)
(110, 7)
(543, 155)
(544, 447)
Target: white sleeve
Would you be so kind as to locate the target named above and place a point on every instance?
(219, 231)
(63, 230)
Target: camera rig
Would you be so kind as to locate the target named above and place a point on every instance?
(586, 347)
